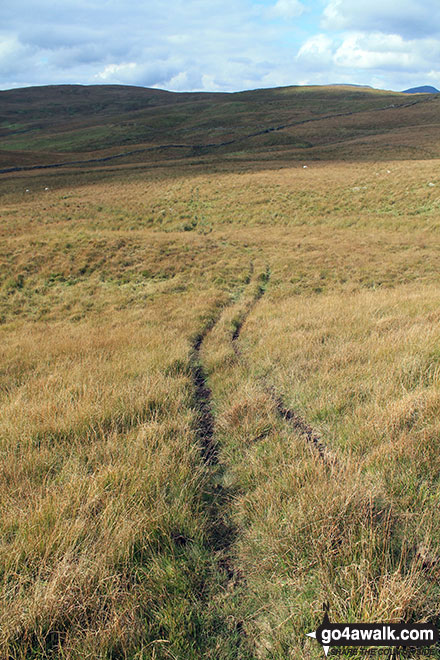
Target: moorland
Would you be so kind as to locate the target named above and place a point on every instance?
(220, 370)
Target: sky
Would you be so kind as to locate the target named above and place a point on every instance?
(220, 45)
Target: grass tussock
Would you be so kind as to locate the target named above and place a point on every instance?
(134, 308)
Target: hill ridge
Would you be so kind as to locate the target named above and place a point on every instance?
(423, 89)
(41, 126)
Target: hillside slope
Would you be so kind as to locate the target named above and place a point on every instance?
(66, 123)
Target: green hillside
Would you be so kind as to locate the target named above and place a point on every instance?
(68, 122)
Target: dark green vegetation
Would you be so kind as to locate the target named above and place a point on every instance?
(44, 125)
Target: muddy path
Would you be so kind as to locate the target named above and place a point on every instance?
(221, 531)
(203, 399)
(299, 424)
(295, 421)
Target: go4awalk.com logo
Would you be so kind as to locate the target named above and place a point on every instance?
(373, 634)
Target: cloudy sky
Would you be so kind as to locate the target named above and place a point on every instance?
(220, 45)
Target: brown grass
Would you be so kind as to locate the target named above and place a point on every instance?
(110, 517)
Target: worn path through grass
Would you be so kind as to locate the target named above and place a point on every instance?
(163, 424)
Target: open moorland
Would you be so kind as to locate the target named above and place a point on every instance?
(220, 370)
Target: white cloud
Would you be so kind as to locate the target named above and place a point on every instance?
(319, 45)
(116, 71)
(133, 73)
(144, 42)
(220, 45)
(377, 51)
(13, 54)
(371, 58)
(316, 54)
(408, 18)
(286, 9)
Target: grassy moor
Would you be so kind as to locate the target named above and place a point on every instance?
(220, 370)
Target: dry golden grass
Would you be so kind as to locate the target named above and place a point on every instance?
(99, 469)
(363, 370)
(343, 533)
(317, 285)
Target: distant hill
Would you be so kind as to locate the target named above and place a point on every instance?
(75, 124)
(424, 89)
